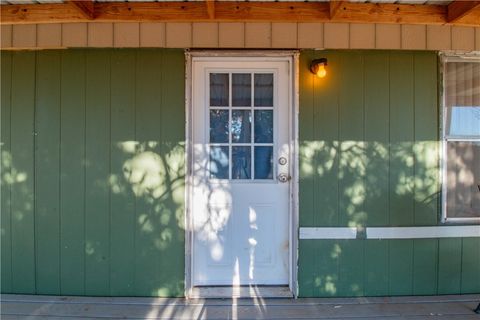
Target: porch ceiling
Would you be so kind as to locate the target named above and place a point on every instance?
(438, 12)
(437, 2)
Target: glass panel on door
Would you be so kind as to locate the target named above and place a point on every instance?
(241, 128)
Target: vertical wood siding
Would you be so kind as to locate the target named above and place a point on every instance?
(93, 172)
(369, 139)
(242, 35)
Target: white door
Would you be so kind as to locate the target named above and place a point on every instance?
(241, 165)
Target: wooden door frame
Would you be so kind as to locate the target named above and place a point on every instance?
(291, 56)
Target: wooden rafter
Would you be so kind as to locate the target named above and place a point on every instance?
(210, 8)
(85, 7)
(234, 11)
(335, 6)
(459, 9)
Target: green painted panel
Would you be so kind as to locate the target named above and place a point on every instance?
(367, 159)
(449, 265)
(47, 172)
(122, 149)
(22, 194)
(376, 267)
(307, 251)
(149, 227)
(351, 264)
(401, 267)
(101, 227)
(72, 173)
(401, 139)
(325, 146)
(427, 185)
(351, 168)
(325, 260)
(376, 128)
(172, 151)
(470, 280)
(425, 266)
(97, 161)
(6, 173)
(307, 165)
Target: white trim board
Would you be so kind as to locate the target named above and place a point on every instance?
(328, 233)
(390, 232)
(229, 292)
(233, 55)
(423, 232)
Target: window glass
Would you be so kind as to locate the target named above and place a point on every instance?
(263, 126)
(241, 89)
(462, 99)
(263, 162)
(241, 126)
(463, 183)
(263, 90)
(241, 163)
(241, 135)
(219, 162)
(462, 139)
(218, 126)
(219, 89)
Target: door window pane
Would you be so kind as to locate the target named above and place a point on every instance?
(218, 126)
(263, 126)
(219, 162)
(263, 90)
(241, 126)
(218, 89)
(263, 162)
(241, 162)
(463, 179)
(241, 89)
(241, 130)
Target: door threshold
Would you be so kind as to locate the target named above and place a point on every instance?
(248, 291)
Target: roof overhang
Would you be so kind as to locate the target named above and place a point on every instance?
(439, 13)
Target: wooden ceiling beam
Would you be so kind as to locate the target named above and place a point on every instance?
(335, 6)
(390, 13)
(458, 10)
(226, 11)
(210, 8)
(85, 7)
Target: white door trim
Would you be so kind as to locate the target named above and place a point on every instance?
(292, 56)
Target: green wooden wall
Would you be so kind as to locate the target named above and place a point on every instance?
(369, 156)
(92, 181)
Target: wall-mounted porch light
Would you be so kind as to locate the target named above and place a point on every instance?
(317, 67)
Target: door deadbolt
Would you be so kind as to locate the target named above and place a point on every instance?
(283, 177)
(282, 161)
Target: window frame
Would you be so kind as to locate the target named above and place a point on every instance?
(444, 59)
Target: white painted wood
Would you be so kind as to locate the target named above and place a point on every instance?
(328, 233)
(240, 228)
(423, 232)
(295, 203)
(241, 292)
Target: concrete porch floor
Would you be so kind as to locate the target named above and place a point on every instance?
(392, 308)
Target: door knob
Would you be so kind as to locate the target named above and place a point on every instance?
(283, 177)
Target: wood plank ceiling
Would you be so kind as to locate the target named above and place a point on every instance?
(455, 12)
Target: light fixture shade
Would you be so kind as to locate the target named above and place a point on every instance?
(317, 67)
